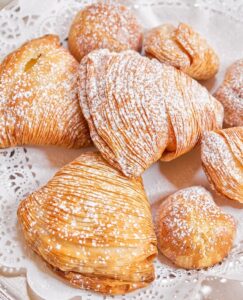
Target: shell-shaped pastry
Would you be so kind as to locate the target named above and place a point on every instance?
(230, 94)
(104, 26)
(139, 110)
(222, 161)
(182, 48)
(38, 97)
(192, 231)
(93, 226)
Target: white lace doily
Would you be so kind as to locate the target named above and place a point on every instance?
(22, 170)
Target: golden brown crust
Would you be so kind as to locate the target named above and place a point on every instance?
(104, 25)
(38, 97)
(192, 231)
(103, 285)
(182, 48)
(93, 226)
(222, 161)
(230, 94)
(139, 110)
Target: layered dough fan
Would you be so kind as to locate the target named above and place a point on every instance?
(139, 110)
(38, 97)
(93, 226)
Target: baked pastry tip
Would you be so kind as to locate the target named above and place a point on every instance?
(93, 226)
(192, 231)
(104, 25)
(139, 110)
(222, 161)
(182, 48)
(39, 98)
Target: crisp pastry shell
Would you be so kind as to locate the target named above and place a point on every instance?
(192, 231)
(38, 97)
(133, 126)
(93, 226)
(182, 48)
(104, 26)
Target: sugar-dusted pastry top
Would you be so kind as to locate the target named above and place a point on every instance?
(139, 110)
(93, 226)
(230, 94)
(222, 161)
(192, 231)
(38, 97)
(182, 48)
(104, 25)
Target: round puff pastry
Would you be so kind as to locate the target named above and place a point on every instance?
(104, 25)
(192, 231)
(182, 48)
(93, 226)
(139, 110)
(222, 161)
(38, 97)
(230, 94)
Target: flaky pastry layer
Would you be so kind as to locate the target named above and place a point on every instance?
(139, 110)
(93, 226)
(38, 97)
(104, 26)
(182, 48)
